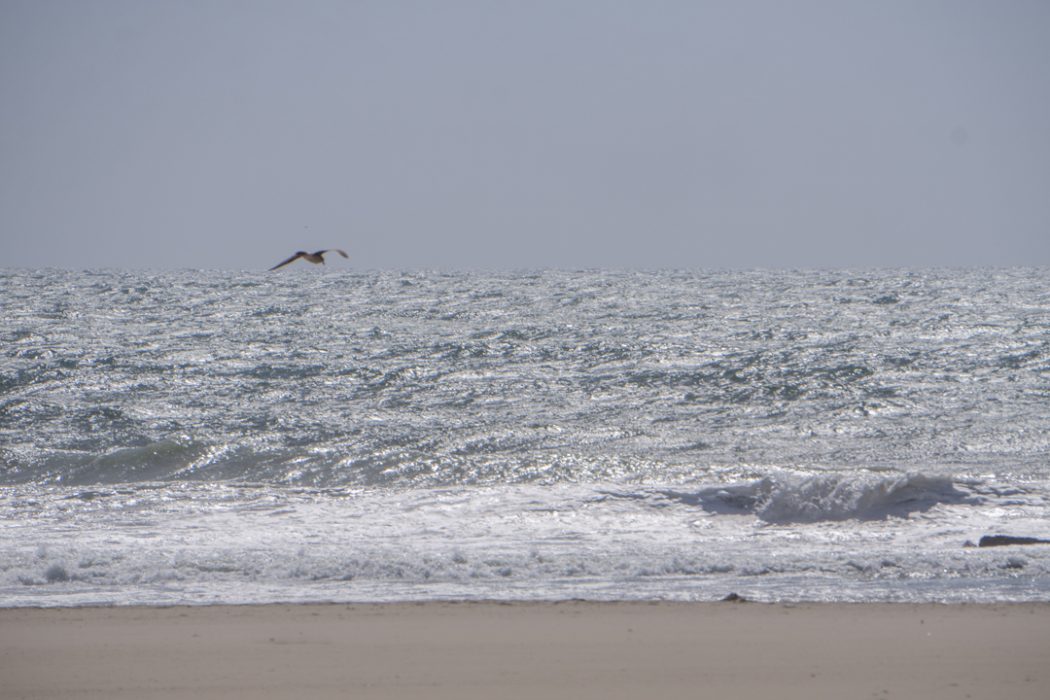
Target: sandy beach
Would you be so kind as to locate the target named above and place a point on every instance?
(528, 650)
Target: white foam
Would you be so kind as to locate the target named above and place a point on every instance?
(208, 543)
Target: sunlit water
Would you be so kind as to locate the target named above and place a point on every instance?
(199, 437)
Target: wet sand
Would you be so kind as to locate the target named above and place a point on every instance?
(528, 650)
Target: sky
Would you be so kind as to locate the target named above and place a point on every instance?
(496, 134)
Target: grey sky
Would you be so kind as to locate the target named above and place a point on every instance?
(502, 134)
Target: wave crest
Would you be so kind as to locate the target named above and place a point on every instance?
(831, 497)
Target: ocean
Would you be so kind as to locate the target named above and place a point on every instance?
(204, 437)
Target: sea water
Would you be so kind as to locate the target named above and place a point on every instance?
(323, 435)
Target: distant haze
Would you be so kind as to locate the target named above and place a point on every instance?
(499, 134)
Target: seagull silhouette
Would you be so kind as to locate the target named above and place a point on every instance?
(316, 258)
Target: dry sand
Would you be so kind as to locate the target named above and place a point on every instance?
(528, 650)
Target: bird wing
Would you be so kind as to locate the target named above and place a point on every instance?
(332, 250)
(291, 259)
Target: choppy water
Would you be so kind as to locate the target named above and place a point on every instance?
(249, 437)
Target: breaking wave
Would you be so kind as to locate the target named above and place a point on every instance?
(832, 497)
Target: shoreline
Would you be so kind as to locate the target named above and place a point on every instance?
(730, 599)
(572, 648)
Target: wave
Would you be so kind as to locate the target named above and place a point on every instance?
(153, 461)
(833, 497)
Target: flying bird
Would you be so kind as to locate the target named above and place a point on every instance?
(316, 258)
